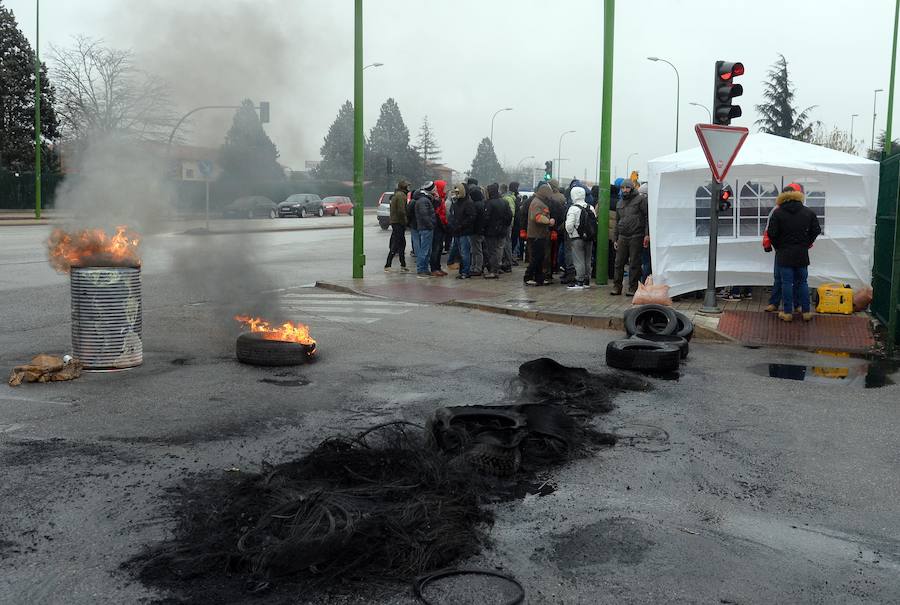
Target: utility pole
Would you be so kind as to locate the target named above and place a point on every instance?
(874, 106)
(359, 257)
(609, 18)
(37, 110)
(890, 113)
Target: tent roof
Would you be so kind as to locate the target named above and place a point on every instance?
(769, 150)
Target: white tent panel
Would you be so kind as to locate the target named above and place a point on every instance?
(841, 188)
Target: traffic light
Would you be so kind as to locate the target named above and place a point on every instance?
(724, 92)
(548, 170)
(724, 200)
(264, 112)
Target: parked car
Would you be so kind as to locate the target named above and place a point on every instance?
(337, 204)
(302, 205)
(252, 206)
(384, 209)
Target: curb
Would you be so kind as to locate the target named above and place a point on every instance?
(203, 231)
(324, 285)
(594, 322)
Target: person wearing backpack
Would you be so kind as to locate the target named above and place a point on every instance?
(581, 227)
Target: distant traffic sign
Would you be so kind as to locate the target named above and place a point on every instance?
(205, 167)
(721, 145)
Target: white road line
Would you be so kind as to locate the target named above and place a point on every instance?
(349, 320)
(362, 303)
(324, 309)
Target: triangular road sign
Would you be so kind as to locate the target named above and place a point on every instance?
(721, 145)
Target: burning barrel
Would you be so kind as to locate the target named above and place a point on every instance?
(107, 317)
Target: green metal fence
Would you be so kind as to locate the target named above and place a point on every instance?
(886, 268)
(17, 190)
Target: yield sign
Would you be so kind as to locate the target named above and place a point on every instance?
(721, 145)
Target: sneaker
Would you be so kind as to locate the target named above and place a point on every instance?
(453, 266)
(629, 294)
(443, 273)
(404, 270)
(423, 275)
(732, 297)
(506, 269)
(438, 274)
(388, 270)
(475, 273)
(807, 316)
(574, 286)
(771, 308)
(531, 282)
(615, 292)
(787, 317)
(586, 285)
(490, 276)
(462, 276)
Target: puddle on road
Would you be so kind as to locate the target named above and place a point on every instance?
(871, 375)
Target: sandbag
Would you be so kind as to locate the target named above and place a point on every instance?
(649, 293)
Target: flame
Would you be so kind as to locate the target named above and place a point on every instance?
(93, 248)
(288, 331)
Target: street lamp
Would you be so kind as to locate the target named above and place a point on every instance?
(372, 65)
(874, 105)
(704, 107)
(37, 109)
(855, 115)
(559, 155)
(677, 95)
(492, 121)
(627, 161)
(519, 165)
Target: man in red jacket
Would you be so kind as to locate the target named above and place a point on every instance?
(440, 227)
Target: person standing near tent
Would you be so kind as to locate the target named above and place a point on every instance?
(632, 235)
(793, 229)
(775, 297)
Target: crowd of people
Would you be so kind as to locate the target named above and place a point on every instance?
(488, 230)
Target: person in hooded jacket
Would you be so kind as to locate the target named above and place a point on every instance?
(793, 228)
(581, 248)
(397, 245)
(464, 227)
(509, 193)
(496, 229)
(539, 223)
(425, 218)
(632, 234)
(477, 237)
(440, 225)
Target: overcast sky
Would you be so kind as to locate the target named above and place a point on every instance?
(459, 61)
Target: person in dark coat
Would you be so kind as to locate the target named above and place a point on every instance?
(425, 218)
(498, 218)
(397, 245)
(440, 227)
(477, 237)
(464, 227)
(632, 234)
(793, 228)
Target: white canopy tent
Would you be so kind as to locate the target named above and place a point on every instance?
(841, 188)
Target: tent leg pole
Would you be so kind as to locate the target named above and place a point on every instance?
(709, 302)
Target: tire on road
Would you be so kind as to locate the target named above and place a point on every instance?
(652, 319)
(678, 341)
(273, 214)
(251, 348)
(642, 355)
(685, 327)
(303, 213)
(320, 212)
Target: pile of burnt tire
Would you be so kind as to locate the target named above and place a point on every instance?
(657, 340)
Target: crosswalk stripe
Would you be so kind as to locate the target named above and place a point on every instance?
(361, 310)
(367, 303)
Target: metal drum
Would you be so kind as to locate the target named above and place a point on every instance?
(107, 317)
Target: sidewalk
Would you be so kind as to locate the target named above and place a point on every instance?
(742, 322)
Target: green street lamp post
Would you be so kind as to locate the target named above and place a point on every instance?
(609, 21)
(37, 110)
(359, 257)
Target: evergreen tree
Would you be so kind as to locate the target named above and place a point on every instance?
(427, 147)
(337, 150)
(485, 166)
(779, 114)
(389, 140)
(17, 100)
(875, 154)
(249, 155)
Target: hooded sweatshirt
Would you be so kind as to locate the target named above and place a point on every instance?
(398, 204)
(539, 213)
(573, 216)
(792, 228)
(499, 216)
(440, 202)
(480, 210)
(424, 210)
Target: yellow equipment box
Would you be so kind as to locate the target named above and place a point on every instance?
(835, 298)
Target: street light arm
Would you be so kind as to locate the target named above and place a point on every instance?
(192, 112)
(677, 93)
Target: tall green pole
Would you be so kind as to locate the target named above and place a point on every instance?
(37, 111)
(609, 21)
(359, 258)
(890, 113)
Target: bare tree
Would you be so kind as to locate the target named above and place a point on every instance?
(100, 91)
(835, 138)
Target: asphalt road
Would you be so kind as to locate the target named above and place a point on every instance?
(725, 487)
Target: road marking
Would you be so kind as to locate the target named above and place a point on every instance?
(341, 308)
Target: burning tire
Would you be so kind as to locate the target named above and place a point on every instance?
(253, 349)
(642, 355)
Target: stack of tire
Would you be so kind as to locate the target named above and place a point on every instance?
(658, 340)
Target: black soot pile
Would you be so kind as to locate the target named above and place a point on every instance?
(394, 502)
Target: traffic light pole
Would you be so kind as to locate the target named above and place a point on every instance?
(359, 258)
(602, 257)
(709, 301)
(37, 111)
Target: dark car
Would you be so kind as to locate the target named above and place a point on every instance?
(337, 204)
(252, 206)
(302, 205)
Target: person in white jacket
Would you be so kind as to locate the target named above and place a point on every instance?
(581, 246)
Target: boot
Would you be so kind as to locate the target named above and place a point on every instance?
(807, 316)
(616, 291)
(771, 308)
(785, 316)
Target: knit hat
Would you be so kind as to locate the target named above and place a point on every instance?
(476, 195)
(493, 191)
(627, 183)
(793, 187)
(428, 186)
(471, 181)
(544, 191)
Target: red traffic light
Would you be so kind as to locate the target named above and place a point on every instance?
(730, 70)
(725, 195)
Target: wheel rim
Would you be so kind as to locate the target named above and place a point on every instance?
(303, 213)
(321, 212)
